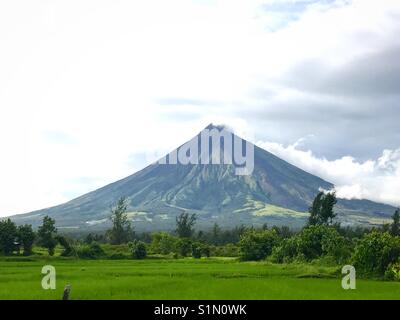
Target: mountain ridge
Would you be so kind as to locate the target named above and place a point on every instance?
(276, 192)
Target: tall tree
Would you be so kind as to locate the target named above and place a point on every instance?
(8, 235)
(395, 226)
(184, 225)
(122, 231)
(26, 236)
(321, 211)
(46, 234)
(216, 234)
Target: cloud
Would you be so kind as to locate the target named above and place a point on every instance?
(371, 75)
(280, 13)
(375, 179)
(92, 91)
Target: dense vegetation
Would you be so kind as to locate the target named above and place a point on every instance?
(374, 252)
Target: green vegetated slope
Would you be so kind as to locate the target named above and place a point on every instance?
(213, 278)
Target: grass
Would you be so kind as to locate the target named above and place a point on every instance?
(259, 208)
(213, 278)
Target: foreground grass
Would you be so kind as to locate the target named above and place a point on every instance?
(214, 278)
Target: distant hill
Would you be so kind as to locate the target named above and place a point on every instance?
(275, 193)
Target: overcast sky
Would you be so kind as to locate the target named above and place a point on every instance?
(92, 91)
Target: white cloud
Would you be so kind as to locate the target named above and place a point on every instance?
(81, 81)
(377, 179)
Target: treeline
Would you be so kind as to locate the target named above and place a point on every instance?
(13, 238)
(373, 251)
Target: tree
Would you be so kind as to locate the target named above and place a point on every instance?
(26, 237)
(89, 238)
(91, 251)
(163, 243)
(121, 231)
(196, 250)
(311, 243)
(257, 245)
(138, 249)
(286, 251)
(321, 211)
(46, 234)
(68, 250)
(375, 252)
(8, 235)
(320, 240)
(283, 232)
(216, 234)
(184, 225)
(184, 247)
(395, 226)
(206, 250)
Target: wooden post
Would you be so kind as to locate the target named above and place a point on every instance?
(67, 290)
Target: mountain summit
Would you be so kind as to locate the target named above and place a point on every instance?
(273, 192)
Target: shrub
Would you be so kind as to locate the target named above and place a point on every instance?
(310, 241)
(257, 245)
(286, 251)
(163, 243)
(393, 272)
(175, 256)
(138, 249)
(92, 251)
(317, 240)
(313, 242)
(336, 246)
(228, 250)
(184, 247)
(117, 256)
(375, 252)
(206, 250)
(196, 250)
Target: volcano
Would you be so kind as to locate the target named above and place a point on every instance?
(274, 192)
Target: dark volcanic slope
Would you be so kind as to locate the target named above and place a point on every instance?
(276, 192)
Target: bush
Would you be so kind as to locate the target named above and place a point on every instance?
(336, 246)
(375, 252)
(196, 250)
(313, 242)
(318, 240)
(310, 241)
(138, 249)
(206, 250)
(92, 251)
(117, 256)
(393, 272)
(184, 247)
(175, 256)
(286, 251)
(228, 250)
(163, 243)
(257, 245)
